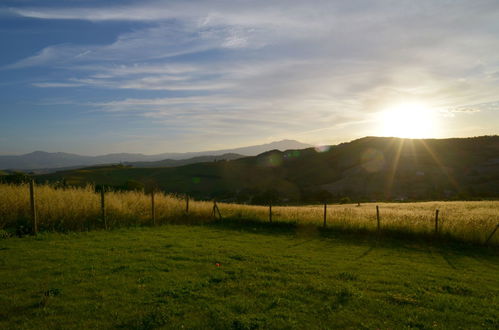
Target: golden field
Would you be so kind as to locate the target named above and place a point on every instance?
(79, 209)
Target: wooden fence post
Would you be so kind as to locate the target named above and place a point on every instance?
(187, 204)
(491, 234)
(103, 207)
(153, 210)
(219, 214)
(436, 222)
(33, 206)
(377, 217)
(216, 210)
(270, 212)
(325, 214)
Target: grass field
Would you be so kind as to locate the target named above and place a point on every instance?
(78, 209)
(244, 276)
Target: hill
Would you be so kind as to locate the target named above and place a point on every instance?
(371, 168)
(182, 162)
(49, 161)
(159, 163)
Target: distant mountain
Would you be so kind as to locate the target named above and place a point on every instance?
(42, 159)
(246, 151)
(159, 163)
(48, 160)
(256, 150)
(371, 168)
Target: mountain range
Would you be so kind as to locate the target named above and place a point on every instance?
(371, 168)
(50, 161)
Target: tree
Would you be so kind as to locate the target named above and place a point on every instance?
(268, 196)
(15, 178)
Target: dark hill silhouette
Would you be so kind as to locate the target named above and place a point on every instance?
(181, 162)
(371, 168)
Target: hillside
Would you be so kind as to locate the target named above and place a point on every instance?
(371, 168)
(158, 163)
(182, 162)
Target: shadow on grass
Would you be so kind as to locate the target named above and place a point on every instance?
(390, 238)
(446, 245)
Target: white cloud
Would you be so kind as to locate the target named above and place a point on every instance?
(306, 66)
(45, 56)
(55, 84)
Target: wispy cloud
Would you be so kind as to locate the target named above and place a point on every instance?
(55, 85)
(286, 66)
(466, 110)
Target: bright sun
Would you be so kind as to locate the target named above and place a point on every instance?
(409, 120)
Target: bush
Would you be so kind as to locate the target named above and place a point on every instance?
(269, 196)
(345, 200)
(15, 178)
(132, 185)
(4, 234)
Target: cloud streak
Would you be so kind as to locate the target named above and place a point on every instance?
(286, 66)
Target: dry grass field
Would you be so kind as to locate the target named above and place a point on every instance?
(79, 209)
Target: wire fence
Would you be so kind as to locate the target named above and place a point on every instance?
(30, 208)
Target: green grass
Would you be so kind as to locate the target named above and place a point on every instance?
(279, 276)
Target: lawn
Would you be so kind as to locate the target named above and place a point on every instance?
(244, 276)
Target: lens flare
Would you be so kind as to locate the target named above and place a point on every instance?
(322, 148)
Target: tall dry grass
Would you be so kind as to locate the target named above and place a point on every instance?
(79, 209)
(467, 221)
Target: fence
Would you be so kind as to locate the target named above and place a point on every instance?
(78, 207)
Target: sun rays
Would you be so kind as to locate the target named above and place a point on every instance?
(403, 148)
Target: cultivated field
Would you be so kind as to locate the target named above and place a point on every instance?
(79, 209)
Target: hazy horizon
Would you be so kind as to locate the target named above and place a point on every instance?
(195, 151)
(164, 152)
(150, 77)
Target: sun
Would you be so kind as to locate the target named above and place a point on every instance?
(408, 120)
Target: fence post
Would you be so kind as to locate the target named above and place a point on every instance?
(153, 211)
(436, 222)
(377, 217)
(491, 234)
(103, 207)
(325, 213)
(219, 214)
(187, 204)
(270, 212)
(33, 206)
(216, 210)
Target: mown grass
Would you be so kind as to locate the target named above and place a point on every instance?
(78, 209)
(235, 276)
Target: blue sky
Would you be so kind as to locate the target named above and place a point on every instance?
(94, 77)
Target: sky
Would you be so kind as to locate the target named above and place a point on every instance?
(95, 77)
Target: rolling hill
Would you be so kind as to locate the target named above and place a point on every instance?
(182, 162)
(371, 168)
